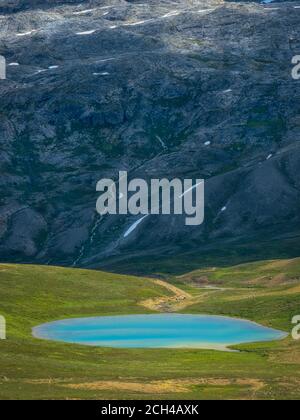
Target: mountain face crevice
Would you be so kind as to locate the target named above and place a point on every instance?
(188, 89)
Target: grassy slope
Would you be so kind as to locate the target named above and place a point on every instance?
(30, 368)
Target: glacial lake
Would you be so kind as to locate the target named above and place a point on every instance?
(157, 331)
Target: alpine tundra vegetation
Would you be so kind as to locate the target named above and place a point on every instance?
(267, 293)
(166, 90)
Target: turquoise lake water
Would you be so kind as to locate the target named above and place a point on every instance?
(157, 331)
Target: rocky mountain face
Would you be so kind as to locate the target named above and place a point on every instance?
(10, 6)
(182, 88)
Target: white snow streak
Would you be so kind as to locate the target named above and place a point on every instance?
(86, 32)
(101, 74)
(27, 33)
(190, 189)
(162, 142)
(170, 14)
(84, 12)
(205, 10)
(134, 226)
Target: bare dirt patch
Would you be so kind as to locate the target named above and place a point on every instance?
(179, 300)
(167, 386)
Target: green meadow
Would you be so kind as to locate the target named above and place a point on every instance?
(267, 292)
